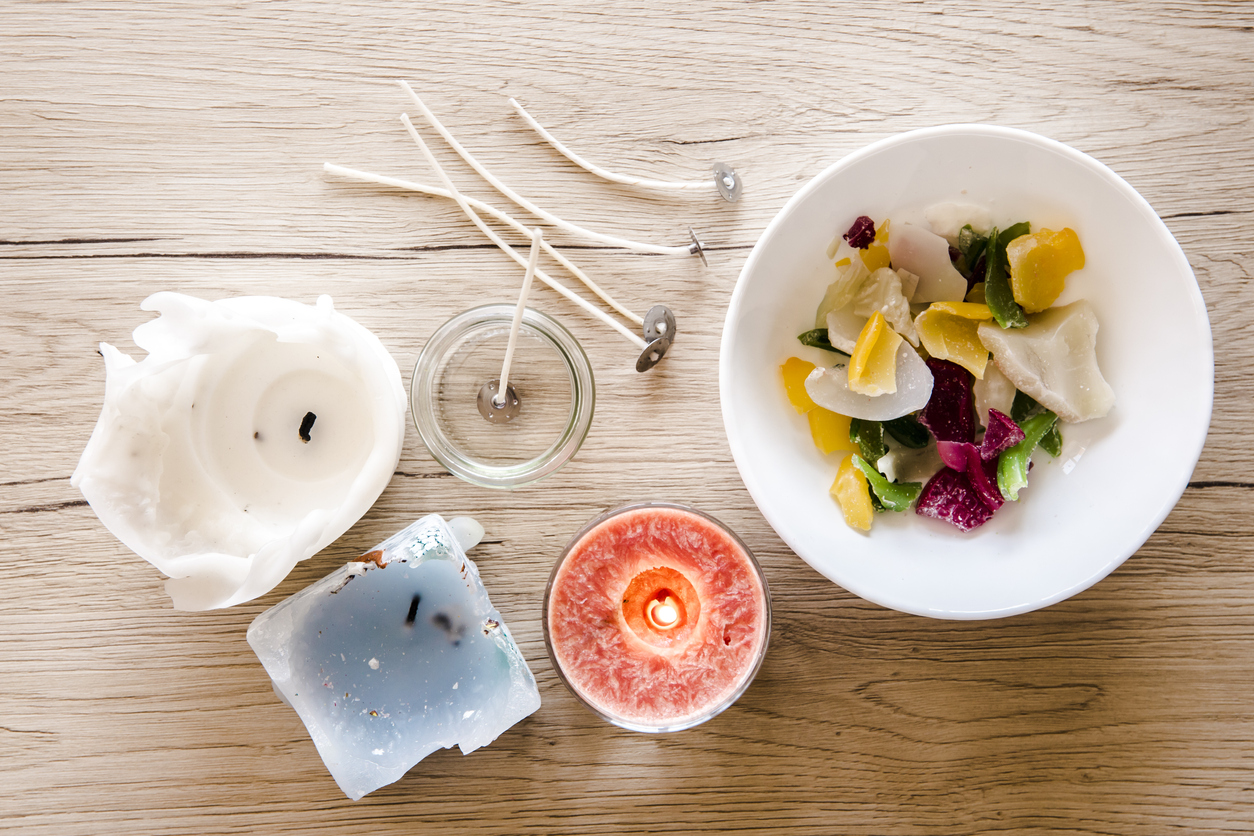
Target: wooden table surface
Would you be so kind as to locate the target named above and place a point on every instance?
(178, 146)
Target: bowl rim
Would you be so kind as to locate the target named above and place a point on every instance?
(1198, 313)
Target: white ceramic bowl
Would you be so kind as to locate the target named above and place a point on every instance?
(1118, 477)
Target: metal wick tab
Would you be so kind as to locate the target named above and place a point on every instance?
(727, 182)
(696, 247)
(659, 331)
(497, 409)
(659, 323)
(653, 352)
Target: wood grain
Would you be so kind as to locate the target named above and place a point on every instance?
(173, 145)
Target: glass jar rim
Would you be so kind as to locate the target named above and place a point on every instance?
(422, 397)
(713, 710)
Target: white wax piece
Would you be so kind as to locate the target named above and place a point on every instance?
(829, 388)
(926, 255)
(466, 531)
(993, 391)
(255, 432)
(948, 219)
(1054, 359)
(388, 659)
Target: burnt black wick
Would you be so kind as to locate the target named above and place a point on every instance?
(413, 610)
(306, 425)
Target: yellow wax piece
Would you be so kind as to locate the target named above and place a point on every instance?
(950, 331)
(852, 492)
(1039, 266)
(873, 365)
(795, 371)
(830, 430)
(875, 256)
(965, 310)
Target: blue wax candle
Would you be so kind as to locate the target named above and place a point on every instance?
(392, 657)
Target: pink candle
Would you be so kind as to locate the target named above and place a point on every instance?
(657, 617)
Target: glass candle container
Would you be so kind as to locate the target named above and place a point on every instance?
(657, 617)
(550, 374)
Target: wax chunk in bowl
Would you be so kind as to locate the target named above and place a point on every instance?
(394, 656)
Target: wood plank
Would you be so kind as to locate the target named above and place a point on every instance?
(178, 145)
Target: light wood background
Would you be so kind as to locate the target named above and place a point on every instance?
(148, 146)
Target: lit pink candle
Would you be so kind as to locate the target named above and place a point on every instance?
(657, 617)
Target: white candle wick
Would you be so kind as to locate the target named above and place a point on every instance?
(536, 237)
(463, 202)
(489, 209)
(612, 240)
(603, 173)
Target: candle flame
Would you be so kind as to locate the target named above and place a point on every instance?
(662, 613)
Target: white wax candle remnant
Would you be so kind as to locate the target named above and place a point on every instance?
(255, 432)
(251, 421)
(424, 621)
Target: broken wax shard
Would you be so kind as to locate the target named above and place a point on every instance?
(1054, 360)
(394, 656)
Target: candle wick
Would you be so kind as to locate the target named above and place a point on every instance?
(499, 399)
(604, 173)
(305, 426)
(513, 223)
(612, 240)
(413, 610)
(465, 204)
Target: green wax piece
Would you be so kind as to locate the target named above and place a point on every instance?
(869, 436)
(817, 338)
(894, 496)
(997, 292)
(1012, 465)
(908, 431)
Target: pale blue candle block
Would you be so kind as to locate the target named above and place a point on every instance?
(388, 659)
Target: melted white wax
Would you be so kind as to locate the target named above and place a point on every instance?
(197, 462)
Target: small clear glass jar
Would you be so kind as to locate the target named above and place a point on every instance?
(550, 373)
(599, 626)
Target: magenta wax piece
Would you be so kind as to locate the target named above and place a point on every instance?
(950, 412)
